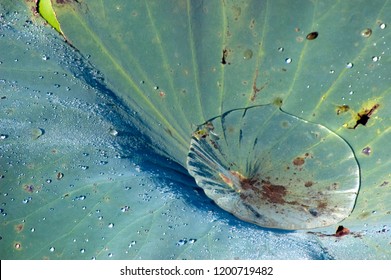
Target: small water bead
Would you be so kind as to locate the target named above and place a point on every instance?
(366, 151)
(45, 57)
(32, 229)
(288, 60)
(367, 32)
(111, 225)
(132, 244)
(181, 242)
(3, 136)
(52, 249)
(375, 58)
(382, 25)
(48, 181)
(192, 240)
(110, 255)
(349, 65)
(280, 49)
(100, 218)
(83, 167)
(82, 251)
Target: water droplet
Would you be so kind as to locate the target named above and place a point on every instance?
(3, 136)
(56, 85)
(83, 167)
(125, 209)
(280, 49)
(288, 60)
(113, 132)
(52, 249)
(48, 181)
(351, 92)
(155, 87)
(100, 217)
(181, 242)
(132, 244)
(84, 208)
(111, 225)
(247, 54)
(332, 71)
(37, 132)
(367, 32)
(349, 65)
(375, 58)
(82, 251)
(45, 57)
(366, 151)
(110, 255)
(312, 35)
(192, 240)
(382, 25)
(32, 229)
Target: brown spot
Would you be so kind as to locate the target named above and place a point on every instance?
(29, 188)
(342, 109)
(308, 184)
(19, 228)
(312, 35)
(385, 183)
(256, 90)
(341, 231)
(60, 175)
(273, 193)
(322, 205)
(299, 161)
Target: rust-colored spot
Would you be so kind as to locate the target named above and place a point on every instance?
(308, 184)
(29, 188)
(19, 228)
(299, 161)
(273, 193)
(341, 231)
(312, 35)
(342, 109)
(322, 205)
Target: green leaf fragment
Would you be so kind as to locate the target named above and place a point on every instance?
(45, 9)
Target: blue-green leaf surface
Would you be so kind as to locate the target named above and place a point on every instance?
(79, 116)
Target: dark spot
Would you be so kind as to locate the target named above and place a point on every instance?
(299, 161)
(308, 184)
(224, 58)
(66, 1)
(313, 212)
(385, 183)
(3, 97)
(364, 117)
(312, 35)
(341, 231)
